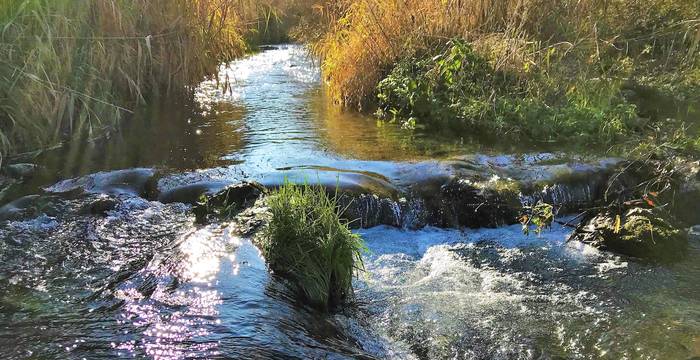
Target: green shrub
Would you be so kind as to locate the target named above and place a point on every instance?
(307, 242)
(460, 90)
(449, 85)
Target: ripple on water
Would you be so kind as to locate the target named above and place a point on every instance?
(141, 281)
(497, 294)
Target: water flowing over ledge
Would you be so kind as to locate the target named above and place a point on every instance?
(108, 262)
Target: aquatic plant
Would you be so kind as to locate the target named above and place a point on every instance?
(539, 216)
(307, 242)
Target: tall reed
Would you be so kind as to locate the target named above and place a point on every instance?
(573, 36)
(74, 67)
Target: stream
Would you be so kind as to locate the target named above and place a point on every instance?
(139, 279)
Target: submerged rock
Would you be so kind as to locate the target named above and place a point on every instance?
(19, 208)
(342, 182)
(28, 206)
(478, 204)
(133, 182)
(100, 206)
(191, 193)
(640, 232)
(368, 210)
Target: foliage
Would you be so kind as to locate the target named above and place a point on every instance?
(74, 67)
(366, 38)
(458, 88)
(307, 242)
(540, 215)
(445, 86)
(555, 68)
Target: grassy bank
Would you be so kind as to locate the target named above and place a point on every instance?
(74, 67)
(542, 70)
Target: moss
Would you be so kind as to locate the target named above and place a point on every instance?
(647, 226)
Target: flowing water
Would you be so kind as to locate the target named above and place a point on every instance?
(142, 280)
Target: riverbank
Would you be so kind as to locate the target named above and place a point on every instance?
(73, 69)
(584, 72)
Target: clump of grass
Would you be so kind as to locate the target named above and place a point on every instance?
(74, 67)
(307, 242)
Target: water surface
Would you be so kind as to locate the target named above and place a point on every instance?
(142, 280)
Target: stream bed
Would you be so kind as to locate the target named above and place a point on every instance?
(98, 269)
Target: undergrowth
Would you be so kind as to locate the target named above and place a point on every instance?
(307, 242)
(536, 70)
(460, 89)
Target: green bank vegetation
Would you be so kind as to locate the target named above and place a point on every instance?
(583, 71)
(307, 242)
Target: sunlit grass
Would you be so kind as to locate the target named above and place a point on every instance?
(549, 46)
(74, 67)
(307, 242)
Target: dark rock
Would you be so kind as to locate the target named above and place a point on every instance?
(368, 210)
(100, 206)
(463, 203)
(191, 193)
(569, 184)
(250, 220)
(642, 232)
(686, 200)
(229, 201)
(20, 208)
(570, 192)
(674, 181)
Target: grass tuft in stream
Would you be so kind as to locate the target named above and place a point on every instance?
(307, 242)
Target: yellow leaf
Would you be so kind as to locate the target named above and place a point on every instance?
(617, 224)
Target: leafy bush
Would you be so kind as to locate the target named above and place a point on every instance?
(566, 63)
(434, 88)
(307, 242)
(460, 89)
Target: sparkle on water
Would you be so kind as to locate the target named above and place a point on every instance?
(144, 281)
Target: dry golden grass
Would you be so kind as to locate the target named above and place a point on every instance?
(72, 67)
(367, 37)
